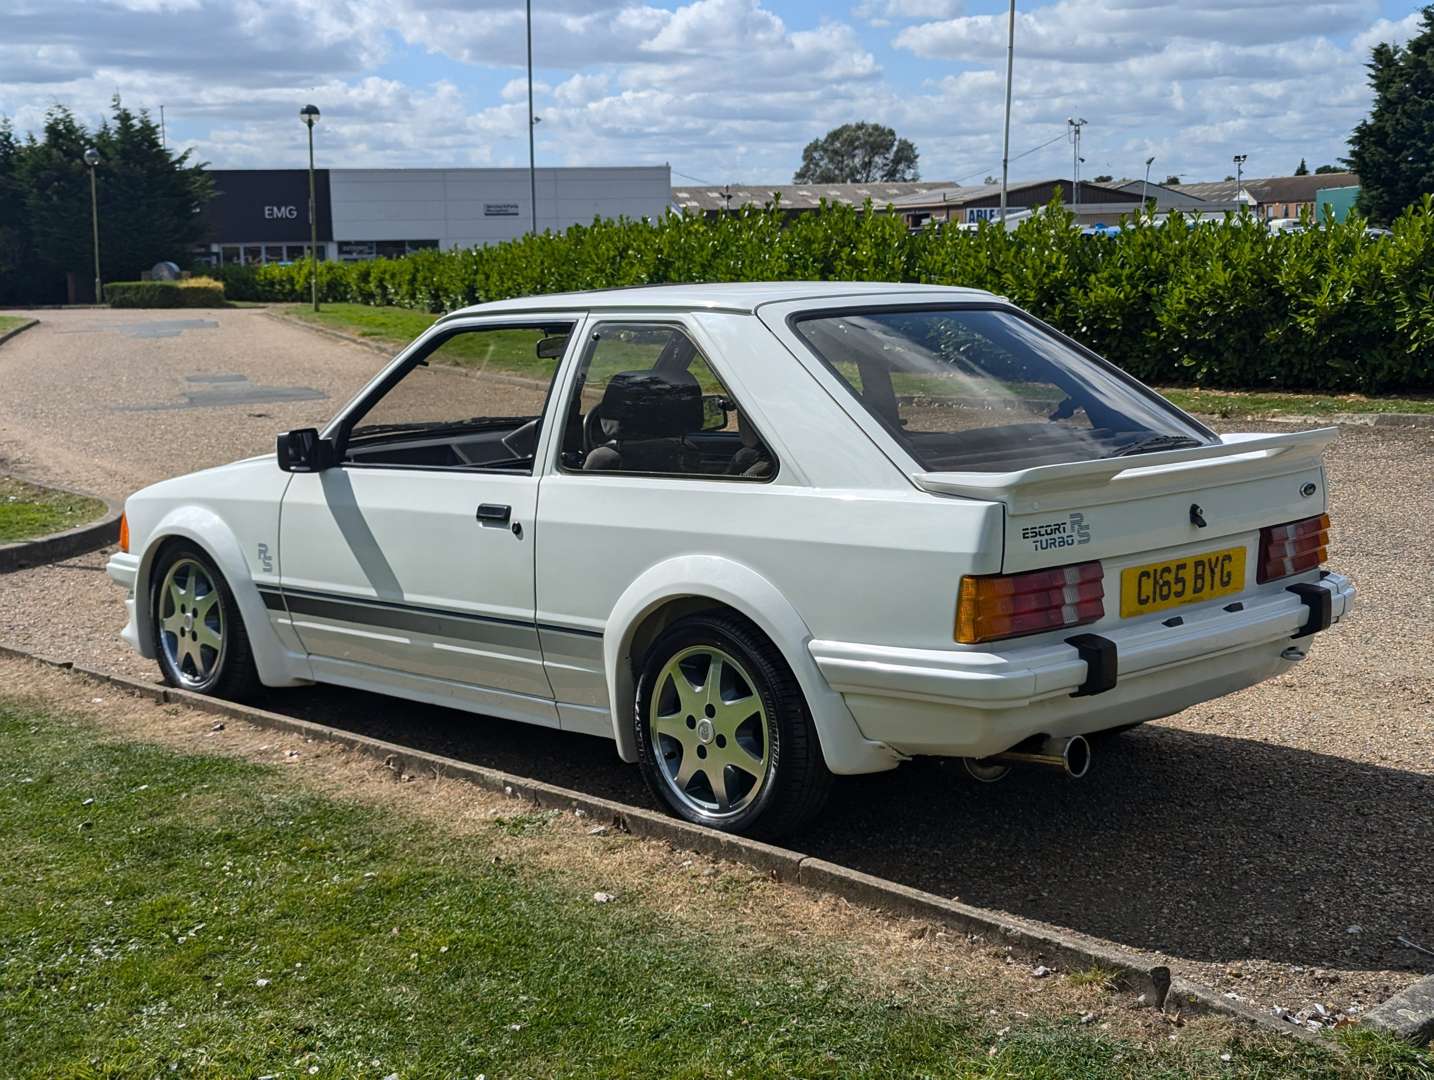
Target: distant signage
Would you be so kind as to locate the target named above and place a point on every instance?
(500, 209)
(267, 206)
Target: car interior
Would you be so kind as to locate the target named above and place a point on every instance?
(655, 421)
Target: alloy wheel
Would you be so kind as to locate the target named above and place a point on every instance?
(191, 623)
(709, 728)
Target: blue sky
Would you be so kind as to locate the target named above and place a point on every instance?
(723, 90)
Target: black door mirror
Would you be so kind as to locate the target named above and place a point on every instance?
(714, 412)
(302, 450)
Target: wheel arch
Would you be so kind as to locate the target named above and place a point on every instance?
(208, 532)
(688, 584)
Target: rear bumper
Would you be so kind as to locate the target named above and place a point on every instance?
(974, 703)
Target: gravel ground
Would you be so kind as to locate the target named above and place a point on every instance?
(1274, 844)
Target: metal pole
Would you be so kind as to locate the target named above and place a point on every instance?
(1145, 185)
(1075, 169)
(95, 223)
(313, 227)
(532, 168)
(1006, 138)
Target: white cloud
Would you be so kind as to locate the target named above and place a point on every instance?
(1394, 33)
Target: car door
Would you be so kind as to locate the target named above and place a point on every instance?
(408, 565)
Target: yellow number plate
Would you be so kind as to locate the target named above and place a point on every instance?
(1161, 585)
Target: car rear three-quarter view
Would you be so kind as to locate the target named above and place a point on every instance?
(759, 535)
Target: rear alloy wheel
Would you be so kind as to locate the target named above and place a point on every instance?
(723, 732)
(199, 635)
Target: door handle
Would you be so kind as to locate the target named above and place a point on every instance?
(494, 513)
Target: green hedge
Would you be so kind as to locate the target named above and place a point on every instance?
(1215, 304)
(195, 293)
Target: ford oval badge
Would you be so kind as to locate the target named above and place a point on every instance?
(1308, 490)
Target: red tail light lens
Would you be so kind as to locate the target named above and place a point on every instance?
(1010, 605)
(1293, 548)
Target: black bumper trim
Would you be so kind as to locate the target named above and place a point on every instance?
(1101, 660)
(1320, 603)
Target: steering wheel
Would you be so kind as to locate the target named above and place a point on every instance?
(595, 431)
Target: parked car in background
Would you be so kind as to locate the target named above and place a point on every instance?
(757, 535)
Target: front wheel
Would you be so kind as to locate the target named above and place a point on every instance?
(199, 635)
(723, 733)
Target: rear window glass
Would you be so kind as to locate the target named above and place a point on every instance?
(985, 390)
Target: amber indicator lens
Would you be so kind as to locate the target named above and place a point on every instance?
(989, 607)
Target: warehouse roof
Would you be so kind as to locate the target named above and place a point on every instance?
(701, 198)
(1270, 189)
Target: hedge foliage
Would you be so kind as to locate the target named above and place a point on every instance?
(189, 293)
(1214, 304)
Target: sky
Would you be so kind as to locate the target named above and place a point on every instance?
(722, 90)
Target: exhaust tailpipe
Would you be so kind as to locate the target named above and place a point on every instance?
(1070, 754)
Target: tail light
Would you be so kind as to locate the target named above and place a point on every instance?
(1009, 605)
(1293, 548)
(124, 534)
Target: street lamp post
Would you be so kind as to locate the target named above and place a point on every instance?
(92, 159)
(1145, 186)
(310, 116)
(1006, 137)
(1239, 160)
(1075, 126)
(532, 125)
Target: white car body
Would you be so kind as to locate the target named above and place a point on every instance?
(848, 559)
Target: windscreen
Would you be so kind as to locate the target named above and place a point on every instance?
(985, 390)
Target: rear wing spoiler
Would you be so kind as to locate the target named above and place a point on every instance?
(1106, 480)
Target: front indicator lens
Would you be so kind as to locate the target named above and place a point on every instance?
(124, 534)
(1293, 548)
(990, 607)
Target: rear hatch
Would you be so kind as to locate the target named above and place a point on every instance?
(1150, 509)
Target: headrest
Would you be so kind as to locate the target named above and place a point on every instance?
(653, 405)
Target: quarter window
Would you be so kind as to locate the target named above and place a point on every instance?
(647, 401)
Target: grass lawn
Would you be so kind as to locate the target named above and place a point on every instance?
(1253, 403)
(170, 914)
(9, 322)
(514, 353)
(28, 511)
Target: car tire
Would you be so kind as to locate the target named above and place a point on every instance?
(199, 634)
(741, 756)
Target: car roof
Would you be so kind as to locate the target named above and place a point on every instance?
(719, 296)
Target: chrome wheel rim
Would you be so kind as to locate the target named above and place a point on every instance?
(709, 732)
(191, 623)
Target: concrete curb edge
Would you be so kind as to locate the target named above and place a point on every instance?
(1408, 1015)
(15, 331)
(1134, 972)
(388, 350)
(24, 554)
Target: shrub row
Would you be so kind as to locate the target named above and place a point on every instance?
(190, 293)
(1216, 304)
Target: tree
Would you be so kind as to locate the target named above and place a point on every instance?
(1302, 169)
(1171, 179)
(1393, 148)
(857, 153)
(1323, 170)
(1104, 178)
(149, 203)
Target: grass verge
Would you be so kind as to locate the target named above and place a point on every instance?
(28, 510)
(207, 916)
(9, 322)
(398, 326)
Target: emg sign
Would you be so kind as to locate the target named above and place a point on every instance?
(267, 206)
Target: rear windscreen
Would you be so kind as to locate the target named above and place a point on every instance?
(985, 390)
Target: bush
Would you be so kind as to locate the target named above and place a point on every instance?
(1215, 304)
(197, 292)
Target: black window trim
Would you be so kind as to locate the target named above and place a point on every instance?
(343, 426)
(994, 304)
(591, 332)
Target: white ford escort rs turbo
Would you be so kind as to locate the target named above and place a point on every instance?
(756, 534)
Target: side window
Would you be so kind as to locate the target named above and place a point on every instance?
(475, 400)
(647, 401)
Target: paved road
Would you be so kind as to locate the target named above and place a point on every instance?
(1244, 838)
